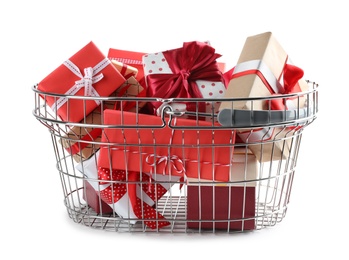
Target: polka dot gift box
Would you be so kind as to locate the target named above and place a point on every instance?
(131, 197)
(188, 72)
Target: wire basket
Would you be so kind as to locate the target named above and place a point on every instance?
(181, 171)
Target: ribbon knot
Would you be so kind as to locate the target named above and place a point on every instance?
(194, 61)
(86, 81)
(173, 161)
(184, 74)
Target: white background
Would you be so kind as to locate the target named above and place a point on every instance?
(37, 36)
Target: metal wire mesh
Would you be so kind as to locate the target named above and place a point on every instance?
(255, 199)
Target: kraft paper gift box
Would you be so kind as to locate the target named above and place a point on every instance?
(130, 198)
(191, 71)
(214, 202)
(130, 58)
(271, 143)
(146, 143)
(264, 69)
(87, 73)
(126, 71)
(82, 142)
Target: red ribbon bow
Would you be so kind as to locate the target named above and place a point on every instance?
(118, 189)
(194, 61)
(291, 76)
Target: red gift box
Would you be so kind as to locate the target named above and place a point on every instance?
(217, 204)
(145, 144)
(132, 196)
(87, 73)
(187, 72)
(239, 202)
(92, 198)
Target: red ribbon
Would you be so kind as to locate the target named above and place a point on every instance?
(291, 75)
(120, 187)
(194, 61)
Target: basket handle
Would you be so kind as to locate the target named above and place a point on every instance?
(260, 118)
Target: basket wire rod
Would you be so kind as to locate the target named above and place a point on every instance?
(184, 180)
(199, 178)
(214, 186)
(231, 146)
(62, 177)
(245, 190)
(299, 139)
(144, 227)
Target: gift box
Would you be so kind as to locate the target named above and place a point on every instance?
(126, 71)
(129, 58)
(225, 205)
(270, 143)
(130, 195)
(175, 147)
(191, 71)
(91, 186)
(87, 73)
(264, 69)
(82, 141)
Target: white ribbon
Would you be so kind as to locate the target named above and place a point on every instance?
(86, 81)
(263, 68)
(167, 160)
(257, 135)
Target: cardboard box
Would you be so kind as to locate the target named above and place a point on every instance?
(125, 70)
(145, 143)
(131, 58)
(225, 205)
(263, 69)
(72, 78)
(271, 143)
(82, 142)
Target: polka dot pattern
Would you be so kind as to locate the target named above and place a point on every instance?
(155, 63)
(113, 193)
(151, 217)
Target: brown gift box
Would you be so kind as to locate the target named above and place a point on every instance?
(126, 70)
(77, 138)
(266, 53)
(270, 143)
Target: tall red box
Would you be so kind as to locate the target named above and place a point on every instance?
(225, 205)
(215, 204)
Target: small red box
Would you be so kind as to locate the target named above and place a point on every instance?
(92, 199)
(239, 205)
(74, 77)
(130, 58)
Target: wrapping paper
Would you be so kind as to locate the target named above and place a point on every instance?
(171, 74)
(131, 196)
(87, 73)
(146, 144)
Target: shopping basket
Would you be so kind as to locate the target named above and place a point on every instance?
(181, 171)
